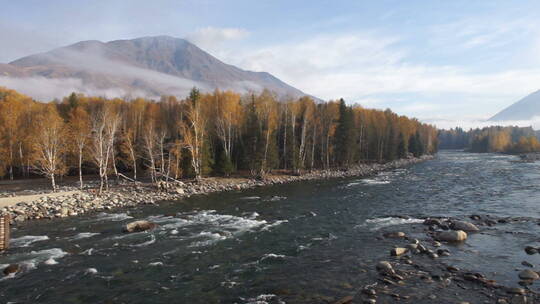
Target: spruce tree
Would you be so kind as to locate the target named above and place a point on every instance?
(390, 152)
(401, 148)
(344, 139)
(412, 145)
(419, 145)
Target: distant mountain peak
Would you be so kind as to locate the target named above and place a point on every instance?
(162, 65)
(524, 109)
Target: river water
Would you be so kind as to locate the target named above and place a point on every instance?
(307, 242)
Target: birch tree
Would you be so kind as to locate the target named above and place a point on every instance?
(50, 144)
(79, 131)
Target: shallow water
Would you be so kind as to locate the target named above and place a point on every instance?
(308, 242)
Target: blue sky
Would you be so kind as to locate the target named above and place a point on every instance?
(447, 62)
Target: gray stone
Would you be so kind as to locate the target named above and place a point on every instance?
(398, 251)
(384, 267)
(528, 274)
(465, 226)
(452, 236)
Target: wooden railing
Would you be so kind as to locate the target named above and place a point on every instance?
(4, 232)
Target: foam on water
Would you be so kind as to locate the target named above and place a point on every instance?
(115, 217)
(272, 256)
(43, 255)
(88, 251)
(265, 299)
(144, 244)
(84, 235)
(211, 238)
(30, 260)
(378, 223)
(250, 198)
(50, 261)
(275, 198)
(27, 240)
(230, 223)
(274, 224)
(374, 181)
(91, 271)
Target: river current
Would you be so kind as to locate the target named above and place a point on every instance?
(305, 242)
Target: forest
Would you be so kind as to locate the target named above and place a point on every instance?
(219, 134)
(491, 139)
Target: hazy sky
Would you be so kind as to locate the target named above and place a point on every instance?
(436, 60)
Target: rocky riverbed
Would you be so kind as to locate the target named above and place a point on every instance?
(127, 194)
(417, 269)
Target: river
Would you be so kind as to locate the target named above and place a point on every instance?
(305, 242)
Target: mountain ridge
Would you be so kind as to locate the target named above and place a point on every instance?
(156, 65)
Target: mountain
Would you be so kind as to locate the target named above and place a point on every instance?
(523, 109)
(148, 66)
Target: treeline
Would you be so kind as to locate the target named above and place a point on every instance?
(491, 139)
(204, 134)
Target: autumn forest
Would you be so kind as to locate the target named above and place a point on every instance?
(219, 133)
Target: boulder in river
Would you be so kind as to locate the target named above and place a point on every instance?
(465, 226)
(12, 268)
(385, 267)
(398, 251)
(531, 250)
(452, 236)
(432, 222)
(138, 226)
(528, 274)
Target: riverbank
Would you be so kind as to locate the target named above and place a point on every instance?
(126, 194)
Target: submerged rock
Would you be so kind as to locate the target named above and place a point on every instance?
(465, 226)
(345, 300)
(138, 226)
(452, 236)
(432, 222)
(528, 274)
(394, 235)
(12, 268)
(516, 290)
(525, 263)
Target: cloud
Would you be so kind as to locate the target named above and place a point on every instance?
(376, 68)
(211, 37)
(481, 32)
(46, 89)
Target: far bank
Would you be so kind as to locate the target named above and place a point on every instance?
(127, 194)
